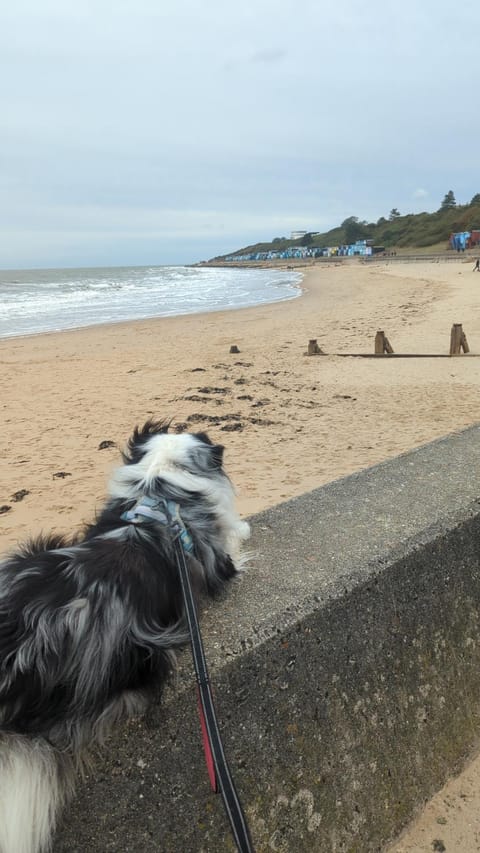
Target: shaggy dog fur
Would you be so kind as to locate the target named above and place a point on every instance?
(88, 627)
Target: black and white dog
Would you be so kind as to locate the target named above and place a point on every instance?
(88, 627)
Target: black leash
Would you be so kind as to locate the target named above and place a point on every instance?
(219, 772)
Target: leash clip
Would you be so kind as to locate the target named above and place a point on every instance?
(177, 526)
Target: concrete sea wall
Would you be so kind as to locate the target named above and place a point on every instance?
(346, 669)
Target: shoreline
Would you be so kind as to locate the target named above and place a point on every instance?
(135, 320)
(303, 267)
(140, 297)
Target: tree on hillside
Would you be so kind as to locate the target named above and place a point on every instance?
(394, 214)
(448, 201)
(475, 199)
(353, 229)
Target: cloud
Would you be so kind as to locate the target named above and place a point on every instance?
(420, 193)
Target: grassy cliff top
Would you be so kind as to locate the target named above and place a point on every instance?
(414, 230)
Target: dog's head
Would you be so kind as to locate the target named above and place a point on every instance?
(186, 468)
(183, 459)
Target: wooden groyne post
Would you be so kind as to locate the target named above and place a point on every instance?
(458, 340)
(313, 348)
(382, 344)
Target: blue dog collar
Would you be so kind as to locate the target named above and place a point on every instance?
(151, 509)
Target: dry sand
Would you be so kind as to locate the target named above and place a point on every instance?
(289, 422)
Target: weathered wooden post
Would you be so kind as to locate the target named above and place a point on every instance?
(382, 344)
(313, 348)
(458, 340)
(455, 338)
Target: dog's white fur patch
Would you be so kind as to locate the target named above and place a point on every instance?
(30, 794)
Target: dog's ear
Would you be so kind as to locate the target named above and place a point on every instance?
(215, 451)
(136, 443)
(207, 457)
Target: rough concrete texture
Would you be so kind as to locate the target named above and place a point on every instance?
(346, 666)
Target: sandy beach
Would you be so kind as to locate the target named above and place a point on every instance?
(289, 422)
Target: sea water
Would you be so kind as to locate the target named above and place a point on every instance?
(34, 301)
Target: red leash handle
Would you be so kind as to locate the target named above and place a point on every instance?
(206, 746)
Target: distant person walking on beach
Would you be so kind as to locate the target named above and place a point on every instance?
(477, 265)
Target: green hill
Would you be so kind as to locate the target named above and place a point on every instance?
(413, 230)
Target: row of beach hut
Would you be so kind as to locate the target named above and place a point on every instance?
(361, 248)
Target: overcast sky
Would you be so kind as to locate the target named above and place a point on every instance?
(145, 132)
